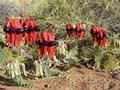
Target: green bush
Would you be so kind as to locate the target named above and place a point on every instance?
(109, 62)
(59, 12)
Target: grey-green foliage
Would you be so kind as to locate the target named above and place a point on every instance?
(15, 69)
(18, 81)
(38, 68)
(72, 55)
(23, 69)
(42, 69)
(47, 71)
(71, 59)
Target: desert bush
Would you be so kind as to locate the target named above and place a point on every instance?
(105, 60)
(109, 62)
(87, 53)
(59, 12)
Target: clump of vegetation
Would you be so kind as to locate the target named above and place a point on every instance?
(18, 81)
(106, 61)
(109, 62)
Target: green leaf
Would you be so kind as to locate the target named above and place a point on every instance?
(47, 72)
(2, 55)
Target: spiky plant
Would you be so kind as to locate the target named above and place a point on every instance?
(6, 57)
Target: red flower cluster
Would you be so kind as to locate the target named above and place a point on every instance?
(31, 31)
(99, 35)
(47, 44)
(15, 29)
(78, 30)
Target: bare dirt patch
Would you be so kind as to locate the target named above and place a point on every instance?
(75, 79)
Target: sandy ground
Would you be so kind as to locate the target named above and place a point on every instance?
(75, 79)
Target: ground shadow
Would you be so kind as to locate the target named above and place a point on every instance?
(2, 89)
(4, 81)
